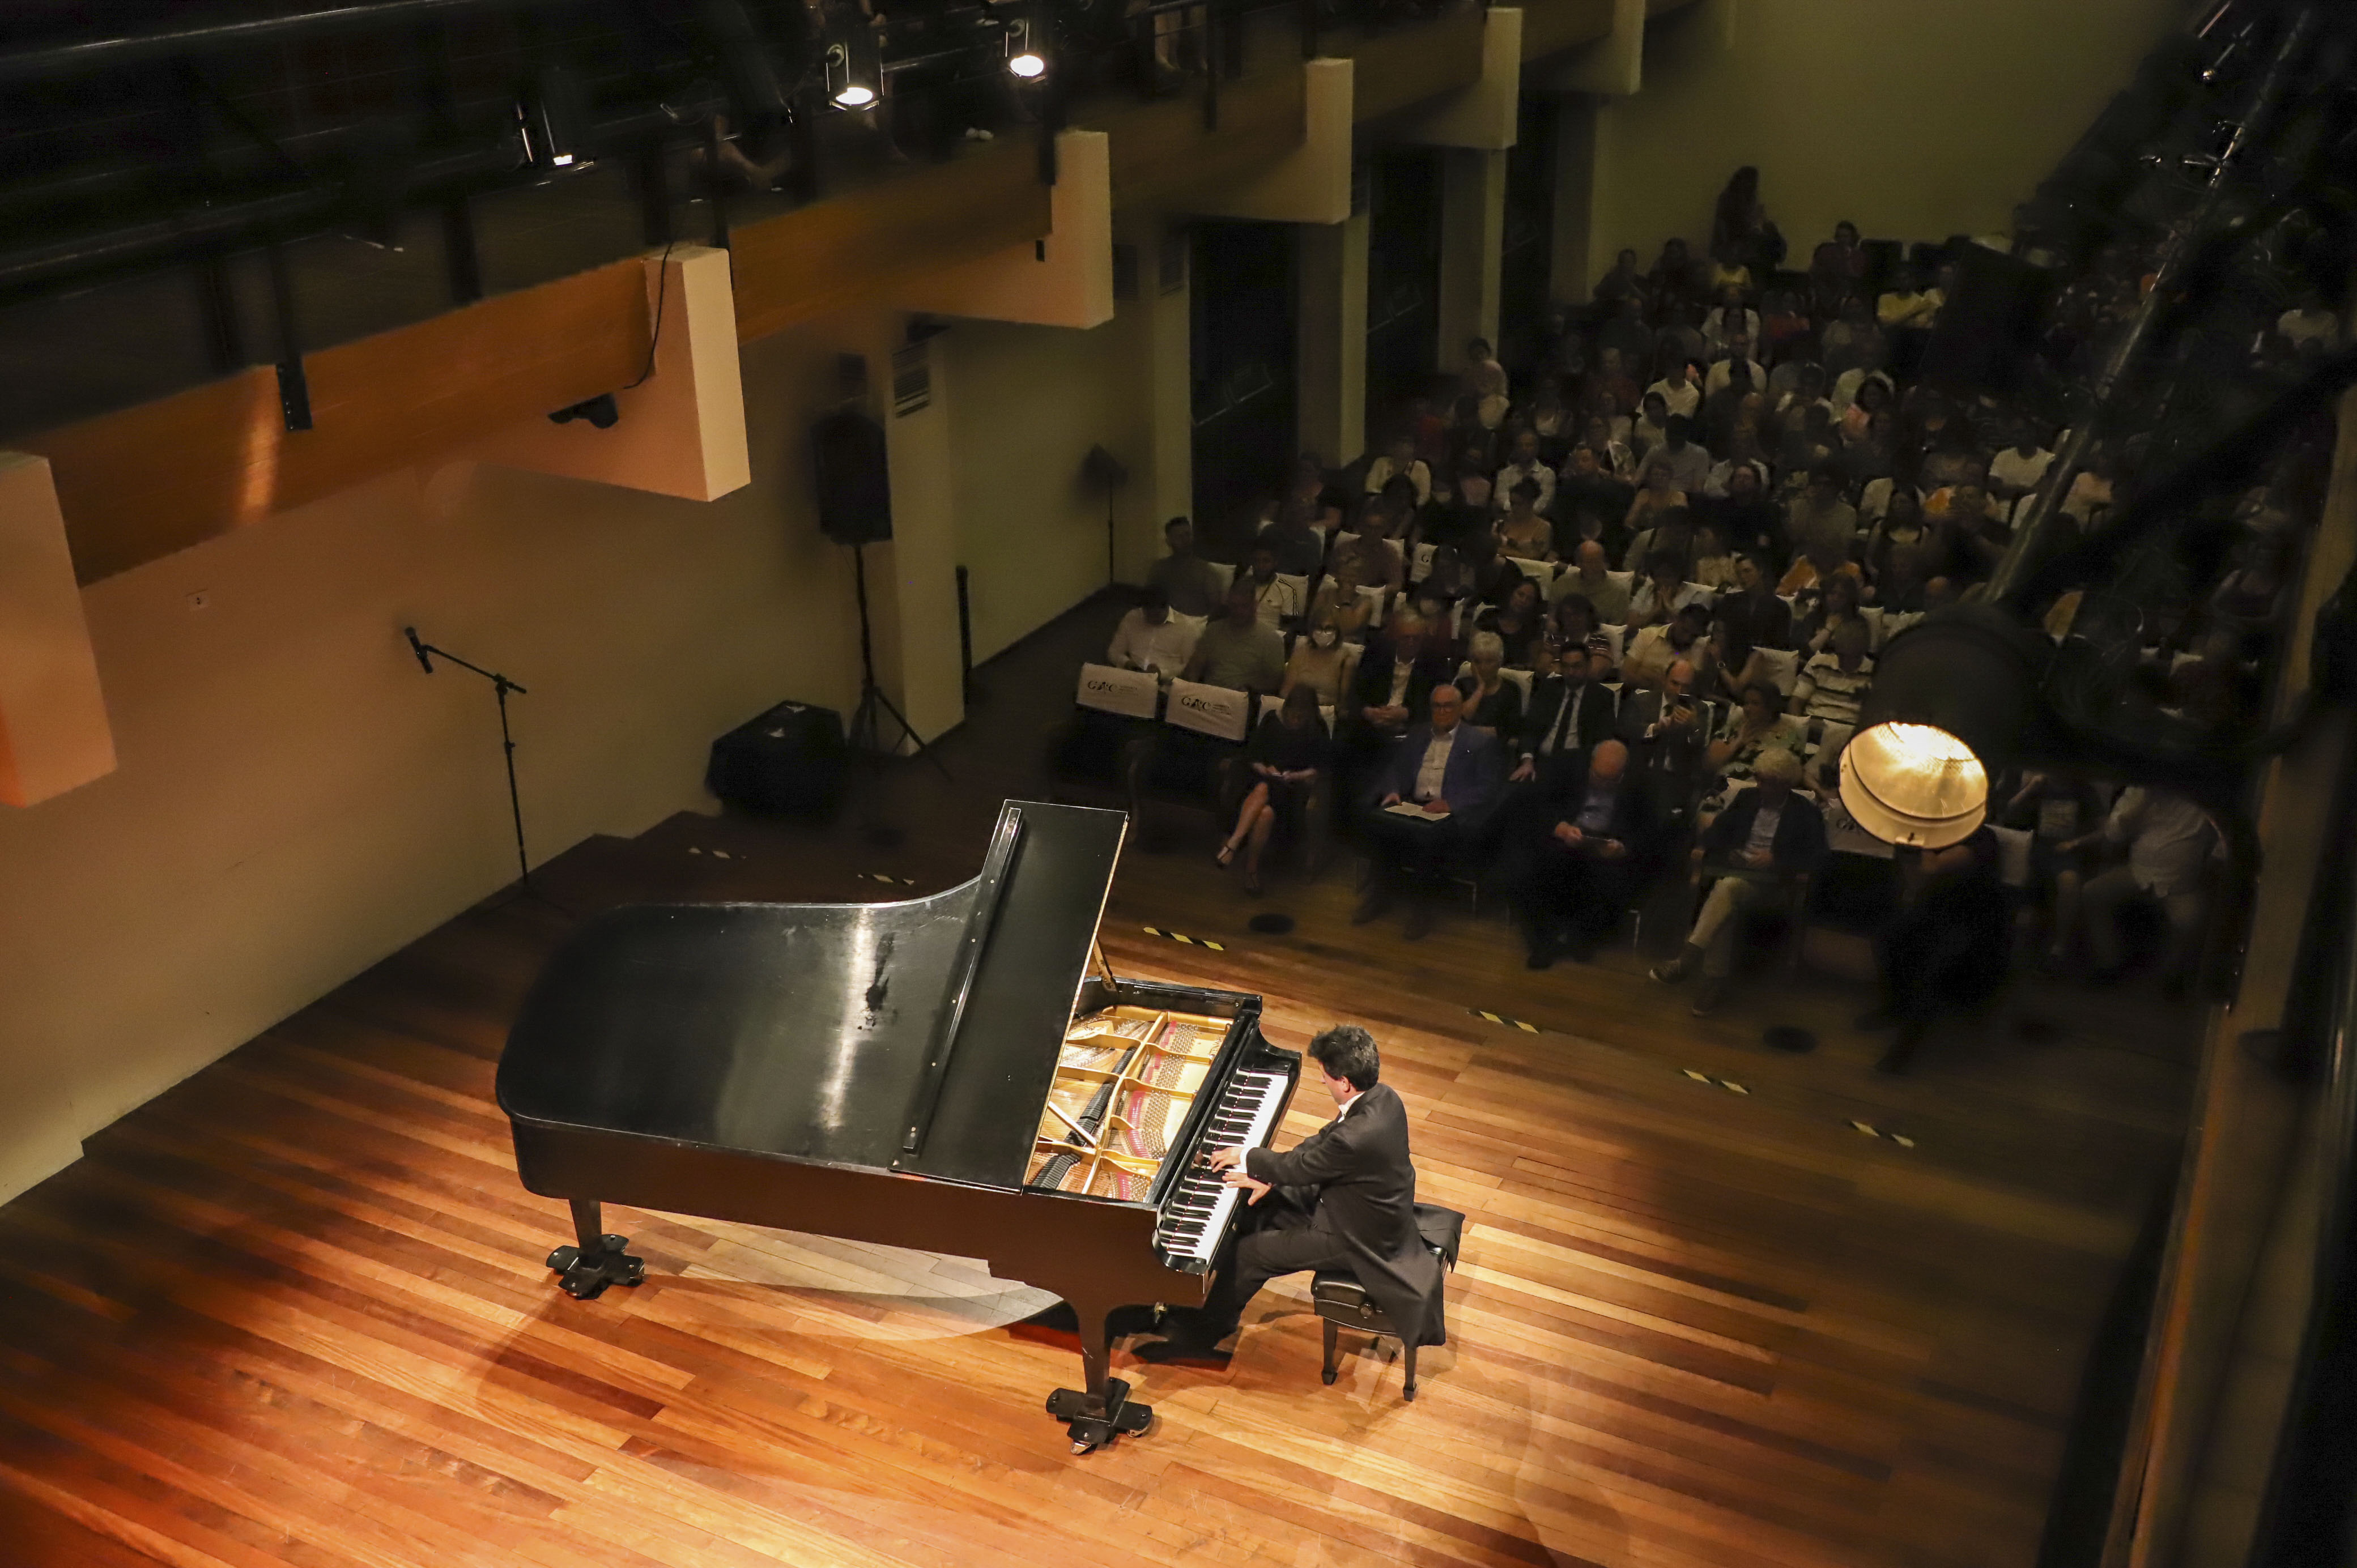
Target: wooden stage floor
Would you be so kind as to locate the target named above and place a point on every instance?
(294, 1313)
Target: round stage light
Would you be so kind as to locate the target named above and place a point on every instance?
(853, 95)
(1027, 66)
(1913, 784)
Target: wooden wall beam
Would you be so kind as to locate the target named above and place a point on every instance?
(856, 249)
(1552, 25)
(148, 482)
(1160, 149)
(1408, 65)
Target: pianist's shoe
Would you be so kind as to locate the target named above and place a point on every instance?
(1188, 1336)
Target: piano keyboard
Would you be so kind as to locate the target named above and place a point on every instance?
(1195, 1217)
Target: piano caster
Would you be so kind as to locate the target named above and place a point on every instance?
(1090, 1423)
(1329, 1374)
(585, 1276)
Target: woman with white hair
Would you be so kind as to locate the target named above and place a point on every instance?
(1493, 704)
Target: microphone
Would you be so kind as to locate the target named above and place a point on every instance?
(418, 647)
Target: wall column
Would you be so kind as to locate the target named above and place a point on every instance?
(1472, 247)
(1330, 361)
(1572, 267)
(1155, 327)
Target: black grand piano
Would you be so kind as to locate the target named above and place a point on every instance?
(942, 1073)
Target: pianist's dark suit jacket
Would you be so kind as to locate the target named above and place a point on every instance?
(1355, 1170)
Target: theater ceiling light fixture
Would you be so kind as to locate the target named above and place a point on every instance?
(1914, 785)
(1027, 66)
(1954, 702)
(843, 89)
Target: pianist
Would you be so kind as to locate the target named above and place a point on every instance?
(1342, 1199)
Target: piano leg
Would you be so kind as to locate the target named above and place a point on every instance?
(595, 1260)
(1103, 1411)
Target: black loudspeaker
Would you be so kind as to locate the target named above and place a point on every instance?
(1988, 327)
(854, 484)
(789, 759)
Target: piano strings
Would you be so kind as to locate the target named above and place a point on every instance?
(1126, 1080)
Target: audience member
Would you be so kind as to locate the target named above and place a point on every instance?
(1523, 533)
(1646, 656)
(1833, 682)
(1399, 461)
(1296, 539)
(1590, 579)
(1526, 467)
(1517, 623)
(1770, 835)
(1150, 638)
(1446, 774)
(1680, 388)
(1666, 731)
(1766, 618)
(1186, 579)
(1688, 464)
(1577, 862)
(1276, 599)
(1756, 726)
(2169, 841)
(1493, 704)
(1396, 679)
(1285, 759)
(1320, 662)
(1239, 651)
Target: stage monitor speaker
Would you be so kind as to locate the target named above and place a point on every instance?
(855, 482)
(1989, 326)
(789, 759)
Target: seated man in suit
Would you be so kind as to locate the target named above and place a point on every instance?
(1395, 680)
(1446, 769)
(1770, 834)
(1667, 734)
(1343, 1197)
(1568, 714)
(1575, 867)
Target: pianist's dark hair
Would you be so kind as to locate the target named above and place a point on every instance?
(1348, 1051)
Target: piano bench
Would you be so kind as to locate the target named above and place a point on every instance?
(1343, 1303)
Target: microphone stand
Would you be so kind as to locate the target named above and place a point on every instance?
(501, 686)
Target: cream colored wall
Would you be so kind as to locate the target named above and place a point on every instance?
(1028, 403)
(296, 799)
(1913, 120)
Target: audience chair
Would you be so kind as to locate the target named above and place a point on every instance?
(1539, 572)
(1343, 1303)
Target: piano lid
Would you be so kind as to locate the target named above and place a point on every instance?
(830, 1032)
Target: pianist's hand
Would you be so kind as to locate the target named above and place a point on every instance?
(1224, 1159)
(1255, 1189)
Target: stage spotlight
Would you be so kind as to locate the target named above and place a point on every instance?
(1027, 66)
(1955, 701)
(555, 115)
(843, 88)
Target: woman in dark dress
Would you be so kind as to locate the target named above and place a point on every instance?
(1285, 759)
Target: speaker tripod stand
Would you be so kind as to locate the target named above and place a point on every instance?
(867, 734)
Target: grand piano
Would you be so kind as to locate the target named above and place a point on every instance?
(942, 1073)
